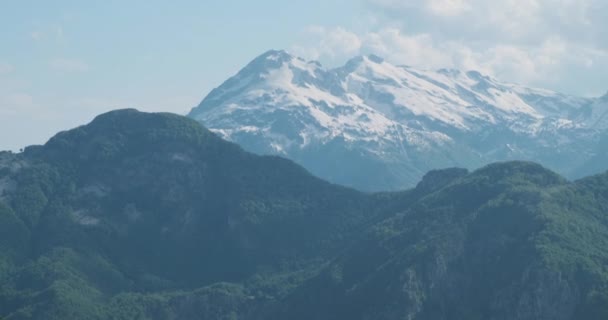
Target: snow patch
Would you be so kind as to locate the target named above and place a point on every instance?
(81, 217)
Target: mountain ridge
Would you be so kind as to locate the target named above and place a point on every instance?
(152, 216)
(397, 122)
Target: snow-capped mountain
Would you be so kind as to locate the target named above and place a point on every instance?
(377, 126)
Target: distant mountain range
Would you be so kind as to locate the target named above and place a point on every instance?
(377, 126)
(152, 216)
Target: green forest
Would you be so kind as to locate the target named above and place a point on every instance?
(151, 216)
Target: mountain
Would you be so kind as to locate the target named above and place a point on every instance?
(376, 126)
(152, 216)
(136, 202)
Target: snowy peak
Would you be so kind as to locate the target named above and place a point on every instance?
(281, 69)
(362, 61)
(275, 55)
(269, 60)
(447, 97)
(375, 125)
(368, 87)
(450, 97)
(273, 71)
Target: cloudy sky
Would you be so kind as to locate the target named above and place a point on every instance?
(62, 62)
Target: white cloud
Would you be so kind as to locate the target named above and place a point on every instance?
(328, 43)
(416, 50)
(448, 7)
(69, 65)
(6, 68)
(544, 64)
(36, 35)
(516, 21)
(52, 32)
(336, 44)
(536, 42)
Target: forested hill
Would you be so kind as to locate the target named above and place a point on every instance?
(151, 216)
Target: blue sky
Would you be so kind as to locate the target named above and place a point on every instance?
(62, 62)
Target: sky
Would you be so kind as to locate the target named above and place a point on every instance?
(63, 62)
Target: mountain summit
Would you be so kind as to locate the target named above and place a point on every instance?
(151, 216)
(376, 126)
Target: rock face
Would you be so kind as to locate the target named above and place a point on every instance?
(376, 126)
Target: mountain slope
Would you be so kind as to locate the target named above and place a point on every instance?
(509, 241)
(151, 216)
(395, 122)
(163, 203)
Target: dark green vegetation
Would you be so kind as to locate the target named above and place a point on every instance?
(150, 216)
